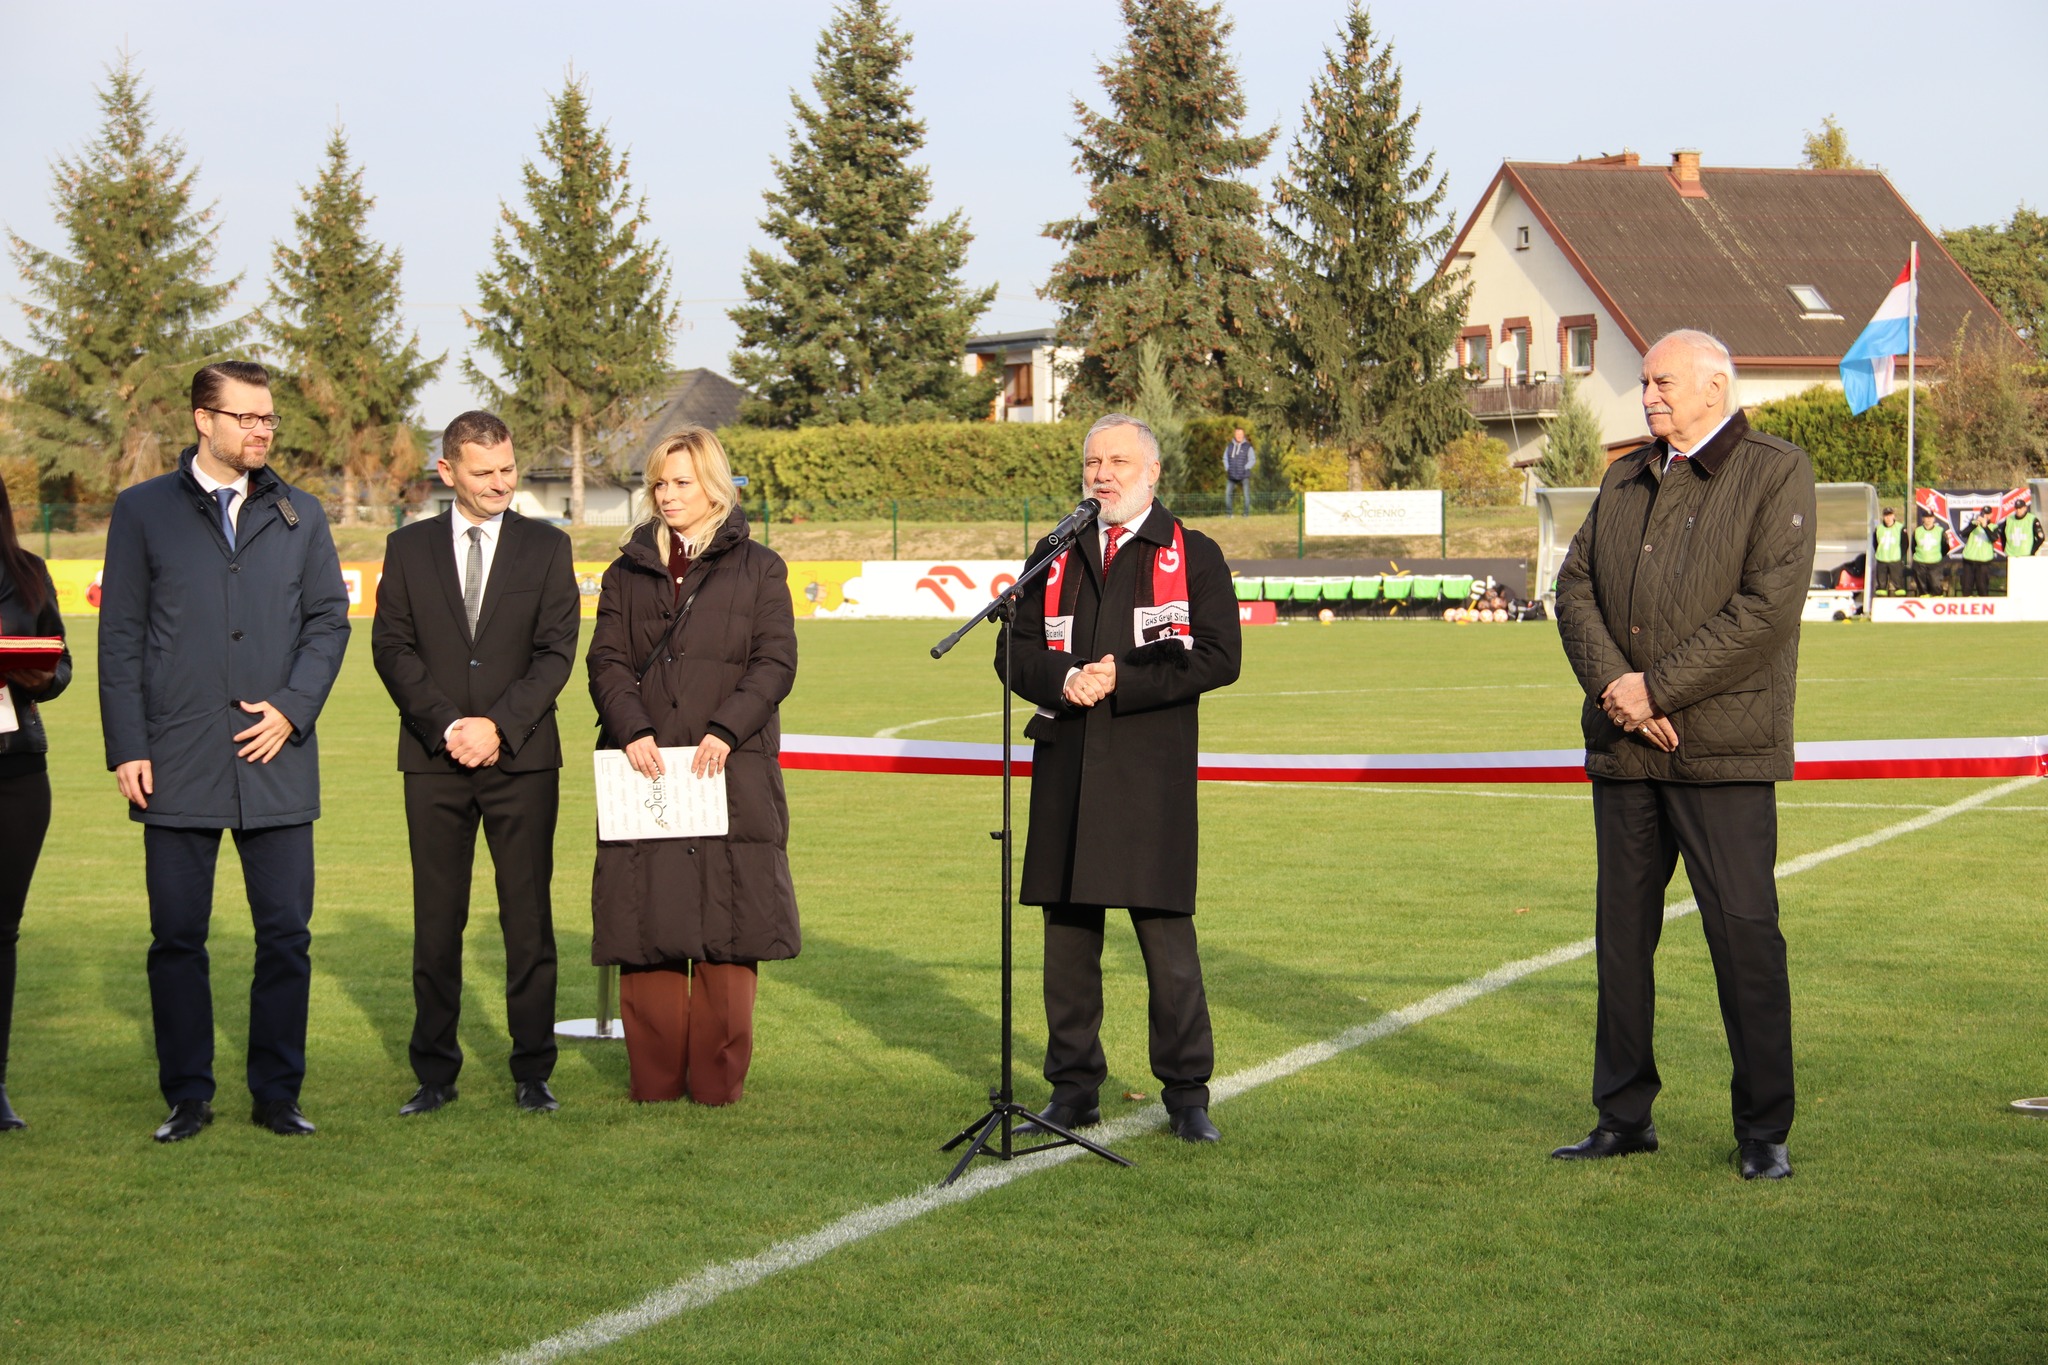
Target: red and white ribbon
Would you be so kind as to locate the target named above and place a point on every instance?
(2022, 756)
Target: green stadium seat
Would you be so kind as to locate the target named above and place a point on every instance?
(1336, 590)
(1365, 589)
(1248, 589)
(1396, 589)
(1428, 588)
(1458, 590)
(1279, 590)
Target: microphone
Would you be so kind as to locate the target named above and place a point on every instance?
(1082, 514)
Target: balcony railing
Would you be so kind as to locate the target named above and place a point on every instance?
(1537, 398)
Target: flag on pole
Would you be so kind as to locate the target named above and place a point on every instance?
(1867, 367)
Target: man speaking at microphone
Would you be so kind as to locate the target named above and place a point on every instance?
(1133, 624)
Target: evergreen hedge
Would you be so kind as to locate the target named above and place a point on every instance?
(858, 470)
(1846, 447)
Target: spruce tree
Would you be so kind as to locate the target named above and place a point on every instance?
(1169, 247)
(863, 317)
(1156, 407)
(1573, 454)
(575, 309)
(1363, 328)
(350, 375)
(118, 321)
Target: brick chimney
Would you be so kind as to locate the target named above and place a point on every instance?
(1685, 173)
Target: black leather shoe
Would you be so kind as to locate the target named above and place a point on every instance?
(1605, 1142)
(1762, 1160)
(427, 1099)
(282, 1117)
(1192, 1125)
(187, 1118)
(9, 1120)
(535, 1097)
(1067, 1116)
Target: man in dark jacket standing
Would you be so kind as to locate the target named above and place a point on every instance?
(474, 638)
(223, 620)
(1132, 627)
(1240, 458)
(1679, 608)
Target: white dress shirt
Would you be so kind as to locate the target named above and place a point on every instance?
(241, 487)
(461, 523)
(1700, 444)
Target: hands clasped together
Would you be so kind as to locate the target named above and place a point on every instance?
(645, 756)
(1090, 683)
(1627, 703)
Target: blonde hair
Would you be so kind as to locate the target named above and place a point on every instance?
(714, 475)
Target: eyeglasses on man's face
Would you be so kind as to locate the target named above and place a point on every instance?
(248, 420)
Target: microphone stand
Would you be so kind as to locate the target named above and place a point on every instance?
(995, 1125)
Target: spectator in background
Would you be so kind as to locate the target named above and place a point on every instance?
(1978, 553)
(1889, 541)
(1930, 556)
(1240, 458)
(2023, 530)
(28, 606)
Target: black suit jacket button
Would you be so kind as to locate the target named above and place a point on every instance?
(235, 635)
(476, 663)
(234, 568)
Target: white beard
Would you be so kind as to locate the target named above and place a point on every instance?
(1121, 510)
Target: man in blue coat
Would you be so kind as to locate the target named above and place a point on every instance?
(223, 620)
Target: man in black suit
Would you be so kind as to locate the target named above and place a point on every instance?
(474, 638)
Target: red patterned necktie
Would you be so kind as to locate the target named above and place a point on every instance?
(1116, 533)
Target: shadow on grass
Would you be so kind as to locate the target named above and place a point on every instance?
(904, 1004)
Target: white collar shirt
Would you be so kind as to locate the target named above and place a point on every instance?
(211, 485)
(1700, 444)
(460, 522)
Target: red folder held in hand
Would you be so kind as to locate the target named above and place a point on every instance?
(29, 652)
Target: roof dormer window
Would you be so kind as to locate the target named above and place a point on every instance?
(1813, 305)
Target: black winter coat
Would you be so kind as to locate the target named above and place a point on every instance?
(17, 619)
(1113, 809)
(189, 628)
(1696, 580)
(724, 672)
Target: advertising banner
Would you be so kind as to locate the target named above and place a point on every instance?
(2026, 599)
(915, 587)
(1956, 509)
(1374, 514)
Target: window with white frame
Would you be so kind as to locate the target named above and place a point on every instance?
(1578, 349)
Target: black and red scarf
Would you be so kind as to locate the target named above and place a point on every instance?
(1162, 610)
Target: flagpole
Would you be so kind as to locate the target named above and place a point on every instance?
(1912, 350)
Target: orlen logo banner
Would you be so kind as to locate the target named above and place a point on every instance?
(1942, 609)
(911, 588)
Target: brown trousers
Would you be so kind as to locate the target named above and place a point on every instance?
(689, 1027)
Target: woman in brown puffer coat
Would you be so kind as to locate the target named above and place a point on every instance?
(695, 645)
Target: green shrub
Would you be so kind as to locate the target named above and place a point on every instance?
(1320, 469)
(1846, 447)
(857, 470)
(1474, 471)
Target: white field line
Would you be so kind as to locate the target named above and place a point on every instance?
(715, 1282)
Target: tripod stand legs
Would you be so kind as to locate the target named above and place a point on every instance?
(993, 1122)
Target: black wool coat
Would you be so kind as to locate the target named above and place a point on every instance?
(510, 672)
(723, 672)
(189, 628)
(17, 619)
(1113, 809)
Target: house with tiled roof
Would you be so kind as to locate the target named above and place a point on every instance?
(1579, 267)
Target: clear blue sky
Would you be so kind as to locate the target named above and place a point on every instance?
(442, 102)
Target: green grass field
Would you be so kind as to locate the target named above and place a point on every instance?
(1392, 1203)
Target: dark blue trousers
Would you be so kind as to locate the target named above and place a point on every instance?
(277, 873)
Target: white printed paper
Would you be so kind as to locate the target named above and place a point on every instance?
(9, 722)
(676, 805)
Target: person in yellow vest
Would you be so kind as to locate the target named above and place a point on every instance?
(2023, 531)
(1930, 556)
(1888, 539)
(1978, 553)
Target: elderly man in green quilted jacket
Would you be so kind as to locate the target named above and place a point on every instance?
(1679, 606)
